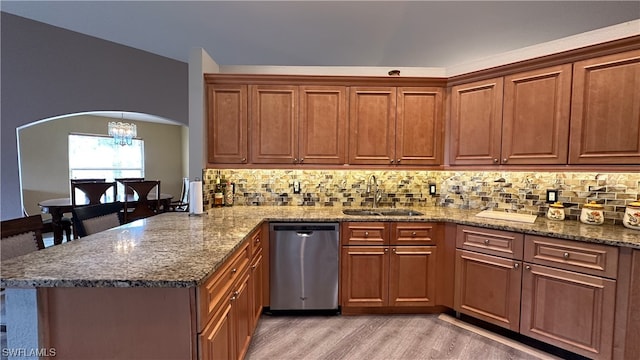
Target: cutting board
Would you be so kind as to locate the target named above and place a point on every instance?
(499, 215)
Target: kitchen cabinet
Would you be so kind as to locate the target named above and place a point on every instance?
(274, 124)
(256, 280)
(521, 118)
(388, 273)
(395, 125)
(605, 110)
(488, 275)
(227, 124)
(568, 295)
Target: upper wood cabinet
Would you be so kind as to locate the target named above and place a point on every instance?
(390, 125)
(323, 125)
(476, 122)
(274, 124)
(535, 116)
(283, 132)
(227, 124)
(519, 119)
(605, 111)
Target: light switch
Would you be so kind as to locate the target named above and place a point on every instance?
(296, 187)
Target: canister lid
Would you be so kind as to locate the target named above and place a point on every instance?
(593, 205)
(557, 204)
(634, 205)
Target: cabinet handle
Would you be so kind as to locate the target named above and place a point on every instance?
(386, 250)
(301, 160)
(413, 233)
(234, 270)
(398, 161)
(366, 234)
(233, 298)
(486, 241)
(495, 161)
(504, 160)
(528, 267)
(257, 240)
(394, 250)
(244, 160)
(295, 160)
(253, 267)
(236, 293)
(516, 265)
(391, 161)
(565, 255)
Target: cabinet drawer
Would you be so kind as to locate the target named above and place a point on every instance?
(588, 258)
(493, 242)
(256, 241)
(414, 234)
(214, 290)
(364, 233)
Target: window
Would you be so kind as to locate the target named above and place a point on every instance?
(96, 156)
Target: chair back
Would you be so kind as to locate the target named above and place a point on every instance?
(183, 203)
(91, 219)
(93, 191)
(20, 236)
(147, 202)
(128, 191)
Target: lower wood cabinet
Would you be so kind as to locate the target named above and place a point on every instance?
(257, 272)
(388, 275)
(488, 288)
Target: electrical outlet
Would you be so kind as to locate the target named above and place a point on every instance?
(296, 187)
(552, 196)
(432, 189)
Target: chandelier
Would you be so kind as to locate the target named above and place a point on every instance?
(123, 133)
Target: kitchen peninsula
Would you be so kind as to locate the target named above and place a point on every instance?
(136, 291)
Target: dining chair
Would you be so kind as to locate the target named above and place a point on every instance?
(94, 191)
(20, 236)
(91, 219)
(142, 204)
(47, 225)
(122, 180)
(183, 203)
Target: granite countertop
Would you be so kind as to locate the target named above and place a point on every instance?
(178, 250)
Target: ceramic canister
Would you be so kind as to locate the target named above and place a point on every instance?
(556, 211)
(632, 216)
(592, 213)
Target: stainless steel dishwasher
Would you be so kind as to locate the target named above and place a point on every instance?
(303, 266)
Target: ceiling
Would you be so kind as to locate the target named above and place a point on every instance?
(329, 33)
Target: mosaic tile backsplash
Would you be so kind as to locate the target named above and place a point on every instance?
(511, 191)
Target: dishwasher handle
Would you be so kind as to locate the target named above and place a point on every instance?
(304, 234)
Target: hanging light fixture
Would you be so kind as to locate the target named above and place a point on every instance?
(123, 133)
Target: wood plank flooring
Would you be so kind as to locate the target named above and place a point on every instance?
(380, 337)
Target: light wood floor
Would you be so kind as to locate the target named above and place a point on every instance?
(380, 337)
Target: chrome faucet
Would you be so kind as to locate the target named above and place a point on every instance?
(376, 192)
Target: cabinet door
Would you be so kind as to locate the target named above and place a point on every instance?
(274, 124)
(412, 276)
(568, 309)
(419, 126)
(488, 287)
(605, 110)
(372, 119)
(257, 300)
(476, 123)
(227, 124)
(535, 123)
(217, 339)
(323, 125)
(242, 316)
(364, 278)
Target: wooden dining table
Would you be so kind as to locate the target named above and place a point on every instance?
(58, 207)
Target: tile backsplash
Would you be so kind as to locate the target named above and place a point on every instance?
(512, 191)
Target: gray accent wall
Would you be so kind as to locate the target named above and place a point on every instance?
(47, 71)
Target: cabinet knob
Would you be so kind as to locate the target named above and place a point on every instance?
(528, 267)
(486, 241)
(253, 267)
(516, 265)
(398, 161)
(244, 160)
(233, 298)
(495, 161)
(234, 270)
(413, 233)
(257, 240)
(565, 255)
(295, 160)
(386, 250)
(391, 161)
(504, 160)
(366, 234)
(301, 160)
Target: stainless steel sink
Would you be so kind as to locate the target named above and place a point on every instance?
(381, 212)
